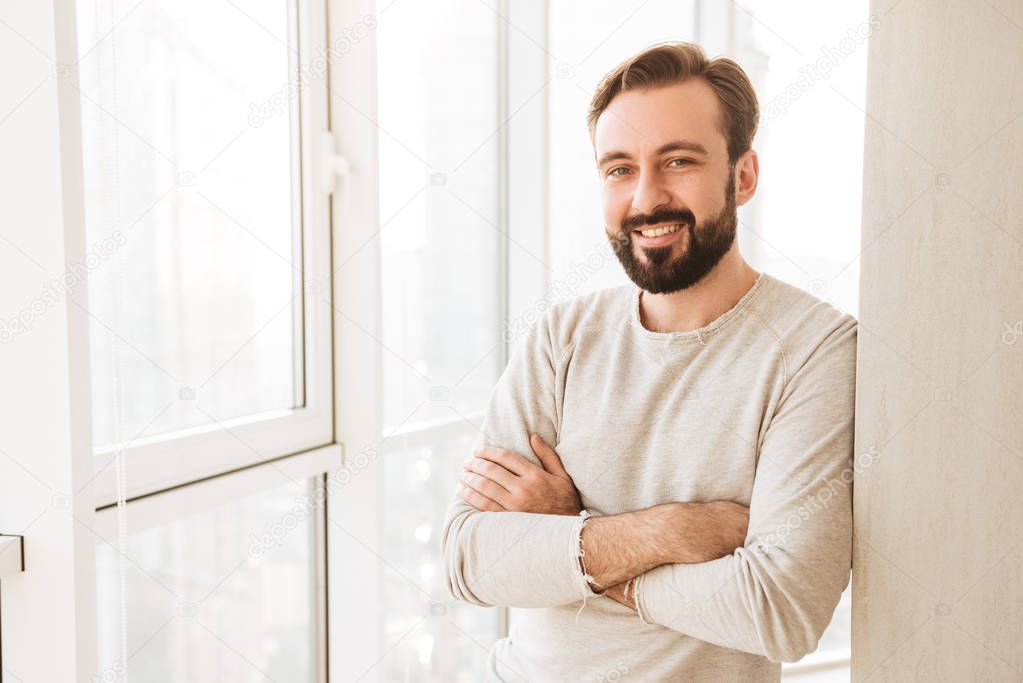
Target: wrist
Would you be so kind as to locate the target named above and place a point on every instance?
(623, 593)
(619, 547)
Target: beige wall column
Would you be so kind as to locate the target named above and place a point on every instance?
(938, 551)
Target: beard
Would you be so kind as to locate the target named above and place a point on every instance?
(705, 245)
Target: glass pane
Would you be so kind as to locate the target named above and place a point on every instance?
(439, 208)
(226, 594)
(811, 92)
(434, 638)
(192, 200)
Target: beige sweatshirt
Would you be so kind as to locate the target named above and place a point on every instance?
(755, 408)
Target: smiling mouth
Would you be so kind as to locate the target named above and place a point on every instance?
(659, 230)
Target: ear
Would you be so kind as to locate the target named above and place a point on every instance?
(747, 175)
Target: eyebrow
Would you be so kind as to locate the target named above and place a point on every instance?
(673, 146)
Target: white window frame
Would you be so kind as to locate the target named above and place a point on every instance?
(168, 460)
(47, 425)
(522, 192)
(172, 475)
(52, 500)
(353, 518)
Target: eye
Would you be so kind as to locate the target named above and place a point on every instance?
(611, 173)
(684, 161)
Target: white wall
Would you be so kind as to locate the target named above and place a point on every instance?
(938, 558)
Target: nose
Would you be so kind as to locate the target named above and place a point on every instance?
(650, 195)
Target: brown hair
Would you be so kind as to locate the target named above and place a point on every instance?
(670, 63)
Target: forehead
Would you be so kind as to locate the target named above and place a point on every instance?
(640, 121)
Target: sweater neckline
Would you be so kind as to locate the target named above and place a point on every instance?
(700, 334)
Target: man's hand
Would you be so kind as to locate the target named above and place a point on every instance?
(498, 480)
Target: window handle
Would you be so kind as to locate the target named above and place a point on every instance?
(12, 554)
(334, 166)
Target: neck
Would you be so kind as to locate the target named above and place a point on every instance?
(699, 305)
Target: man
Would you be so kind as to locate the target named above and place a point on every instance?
(664, 469)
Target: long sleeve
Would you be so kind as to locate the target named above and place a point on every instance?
(776, 595)
(517, 559)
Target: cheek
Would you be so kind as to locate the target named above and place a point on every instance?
(699, 194)
(614, 207)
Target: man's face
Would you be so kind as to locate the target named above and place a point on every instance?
(663, 164)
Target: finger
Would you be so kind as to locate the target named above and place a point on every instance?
(513, 462)
(548, 458)
(478, 500)
(492, 471)
(486, 487)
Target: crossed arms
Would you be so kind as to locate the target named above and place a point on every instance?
(768, 589)
(617, 548)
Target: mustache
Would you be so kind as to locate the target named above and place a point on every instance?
(684, 216)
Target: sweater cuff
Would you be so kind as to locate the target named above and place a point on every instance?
(579, 553)
(638, 596)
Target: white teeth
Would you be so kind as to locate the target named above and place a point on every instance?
(657, 232)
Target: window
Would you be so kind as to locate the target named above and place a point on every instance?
(441, 312)
(197, 202)
(439, 193)
(812, 87)
(210, 336)
(228, 593)
(208, 353)
(435, 639)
